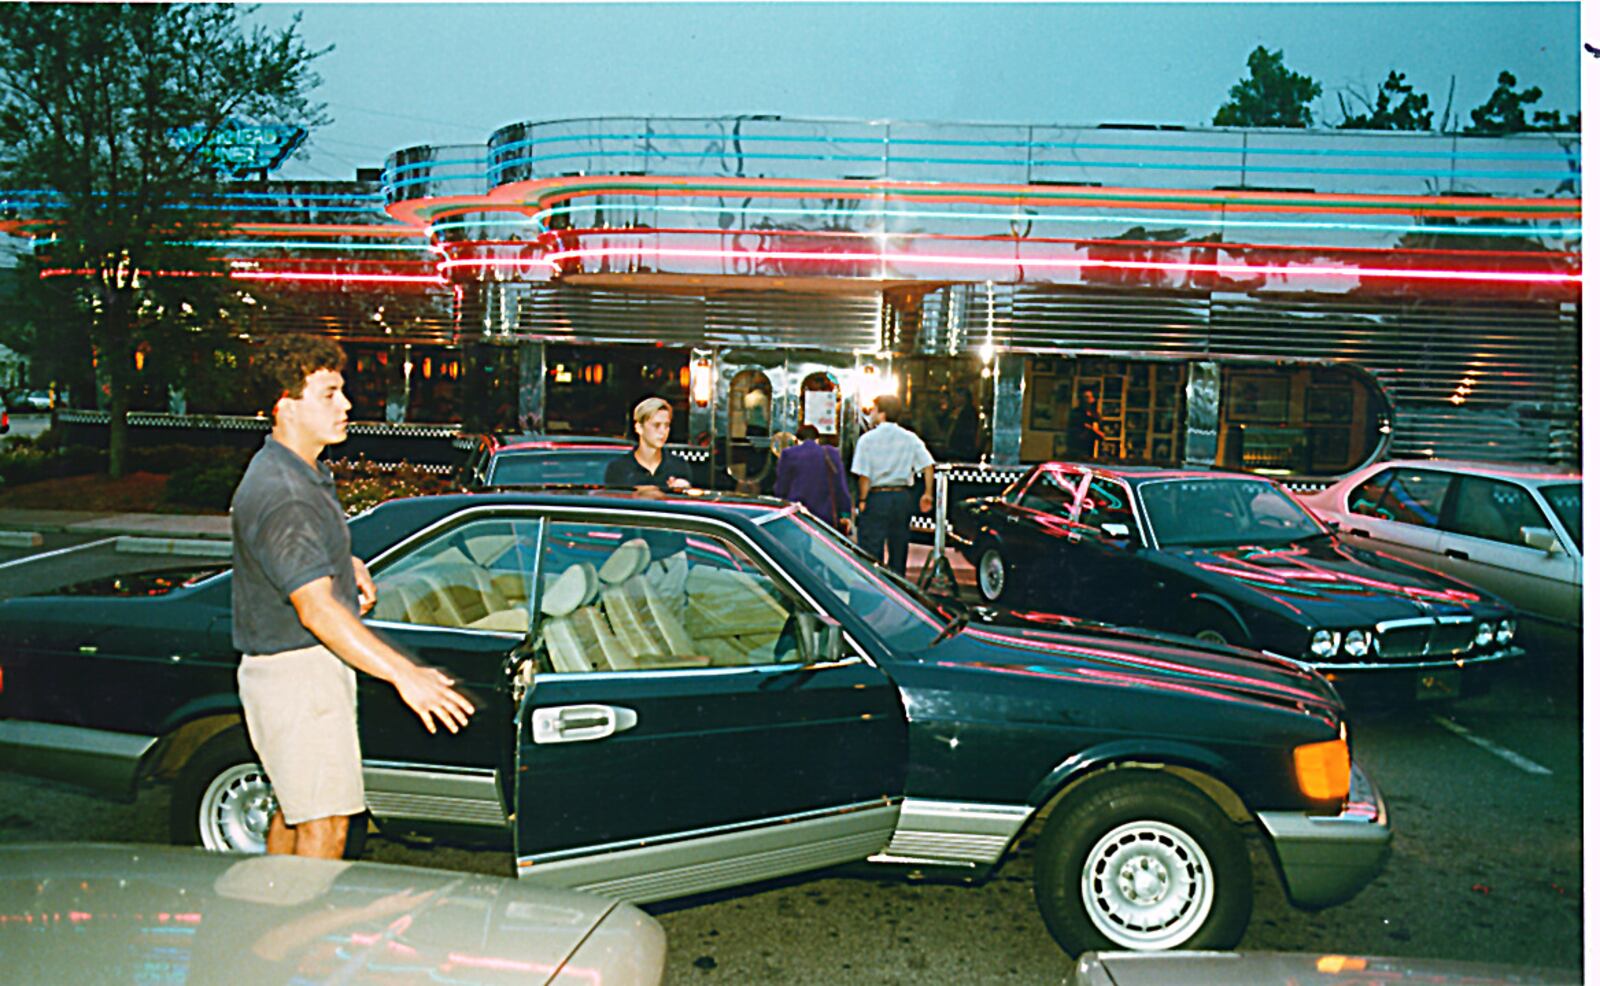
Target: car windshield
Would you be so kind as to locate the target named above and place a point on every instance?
(1209, 512)
(901, 614)
(1566, 501)
(539, 467)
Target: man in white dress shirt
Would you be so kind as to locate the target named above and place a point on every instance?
(886, 463)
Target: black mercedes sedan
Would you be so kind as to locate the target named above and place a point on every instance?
(1228, 558)
(684, 692)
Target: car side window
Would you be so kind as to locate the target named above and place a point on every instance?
(625, 598)
(1416, 496)
(472, 577)
(1364, 499)
(1493, 510)
(1106, 501)
(1052, 491)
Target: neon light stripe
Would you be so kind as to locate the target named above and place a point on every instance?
(427, 279)
(331, 229)
(1063, 263)
(1225, 167)
(300, 245)
(1068, 145)
(1563, 231)
(1230, 246)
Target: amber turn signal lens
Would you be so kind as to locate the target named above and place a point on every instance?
(1323, 769)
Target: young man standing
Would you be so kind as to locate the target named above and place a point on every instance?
(297, 598)
(886, 463)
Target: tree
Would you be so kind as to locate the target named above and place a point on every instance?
(1396, 106)
(1272, 96)
(1504, 112)
(92, 97)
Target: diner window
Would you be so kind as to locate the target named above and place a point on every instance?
(946, 398)
(591, 390)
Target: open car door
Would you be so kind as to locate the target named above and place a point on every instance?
(688, 721)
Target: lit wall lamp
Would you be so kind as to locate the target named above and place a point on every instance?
(872, 383)
(701, 377)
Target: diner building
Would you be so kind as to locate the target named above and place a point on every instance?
(1294, 302)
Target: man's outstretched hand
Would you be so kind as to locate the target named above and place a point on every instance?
(428, 692)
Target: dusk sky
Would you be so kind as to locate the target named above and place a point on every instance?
(405, 74)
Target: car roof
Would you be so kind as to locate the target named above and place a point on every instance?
(546, 442)
(1140, 474)
(1527, 471)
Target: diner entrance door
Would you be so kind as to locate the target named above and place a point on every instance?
(762, 397)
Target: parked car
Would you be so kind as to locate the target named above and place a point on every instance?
(681, 693)
(1516, 531)
(1227, 558)
(1300, 969)
(538, 460)
(35, 400)
(5, 418)
(84, 913)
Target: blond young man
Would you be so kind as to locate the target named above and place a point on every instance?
(298, 595)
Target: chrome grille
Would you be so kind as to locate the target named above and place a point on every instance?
(1424, 637)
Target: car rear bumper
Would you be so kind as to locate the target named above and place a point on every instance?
(1327, 859)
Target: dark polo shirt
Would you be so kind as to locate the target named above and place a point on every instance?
(288, 530)
(625, 470)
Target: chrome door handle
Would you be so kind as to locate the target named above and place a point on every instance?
(579, 723)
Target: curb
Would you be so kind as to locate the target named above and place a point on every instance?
(20, 539)
(198, 547)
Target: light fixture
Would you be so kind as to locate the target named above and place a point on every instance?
(701, 377)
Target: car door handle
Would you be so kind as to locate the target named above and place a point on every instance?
(1456, 553)
(1358, 532)
(580, 723)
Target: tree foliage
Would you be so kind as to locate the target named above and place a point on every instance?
(1395, 106)
(1505, 112)
(1272, 96)
(90, 97)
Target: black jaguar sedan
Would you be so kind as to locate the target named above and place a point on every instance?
(1227, 558)
(681, 693)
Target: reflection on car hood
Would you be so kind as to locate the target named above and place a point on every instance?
(74, 913)
(1329, 583)
(1045, 645)
(1297, 969)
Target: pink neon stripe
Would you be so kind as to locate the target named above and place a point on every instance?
(553, 259)
(433, 279)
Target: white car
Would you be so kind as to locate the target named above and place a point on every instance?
(1514, 530)
(86, 913)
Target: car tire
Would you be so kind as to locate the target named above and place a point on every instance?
(1218, 630)
(222, 800)
(996, 577)
(1142, 864)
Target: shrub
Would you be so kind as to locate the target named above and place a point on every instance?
(207, 484)
(362, 484)
(26, 462)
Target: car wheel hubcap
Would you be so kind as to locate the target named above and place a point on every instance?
(236, 809)
(992, 574)
(1147, 885)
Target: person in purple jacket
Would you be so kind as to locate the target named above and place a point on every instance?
(812, 474)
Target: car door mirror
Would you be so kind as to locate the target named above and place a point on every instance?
(1541, 539)
(1331, 522)
(1113, 529)
(819, 637)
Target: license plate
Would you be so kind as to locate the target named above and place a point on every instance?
(1445, 683)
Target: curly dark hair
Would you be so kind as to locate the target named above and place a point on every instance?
(282, 364)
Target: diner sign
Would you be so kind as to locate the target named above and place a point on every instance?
(242, 149)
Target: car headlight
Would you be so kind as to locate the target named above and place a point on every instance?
(1324, 643)
(1505, 631)
(1357, 642)
(1484, 635)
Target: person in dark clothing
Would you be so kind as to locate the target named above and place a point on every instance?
(649, 465)
(812, 474)
(963, 440)
(1083, 428)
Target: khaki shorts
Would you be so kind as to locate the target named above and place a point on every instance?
(300, 710)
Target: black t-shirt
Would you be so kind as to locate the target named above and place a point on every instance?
(288, 530)
(1082, 429)
(625, 470)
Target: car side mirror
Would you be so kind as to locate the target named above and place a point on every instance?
(1541, 539)
(1332, 522)
(819, 638)
(1113, 529)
